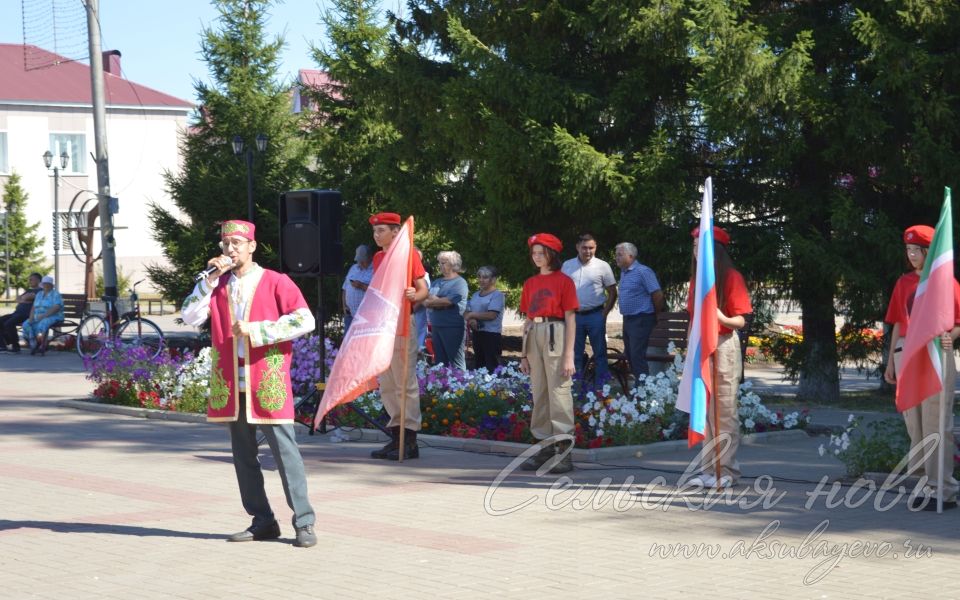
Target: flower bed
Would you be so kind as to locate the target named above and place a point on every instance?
(496, 406)
(467, 404)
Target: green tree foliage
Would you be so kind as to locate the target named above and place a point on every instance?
(25, 244)
(350, 130)
(245, 98)
(490, 123)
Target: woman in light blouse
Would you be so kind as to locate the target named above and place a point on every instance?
(47, 311)
(484, 317)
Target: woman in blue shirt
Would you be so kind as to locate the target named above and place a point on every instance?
(47, 311)
(445, 306)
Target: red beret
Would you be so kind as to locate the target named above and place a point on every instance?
(921, 235)
(385, 218)
(546, 239)
(719, 235)
(238, 228)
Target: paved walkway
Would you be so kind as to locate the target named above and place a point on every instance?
(106, 506)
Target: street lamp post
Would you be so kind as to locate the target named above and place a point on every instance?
(48, 161)
(6, 263)
(237, 144)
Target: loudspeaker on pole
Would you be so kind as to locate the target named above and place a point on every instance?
(310, 242)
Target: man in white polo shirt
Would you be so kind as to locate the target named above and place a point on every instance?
(597, 293)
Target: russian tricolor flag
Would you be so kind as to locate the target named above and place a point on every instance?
(696, 384)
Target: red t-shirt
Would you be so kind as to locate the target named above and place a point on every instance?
(548, 295)
(736, 298)
(901, 301)
(418, 271)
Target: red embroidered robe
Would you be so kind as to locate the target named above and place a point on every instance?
(268, 393)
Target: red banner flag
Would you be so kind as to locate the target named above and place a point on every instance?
(367, 349)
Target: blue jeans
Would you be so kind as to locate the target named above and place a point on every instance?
(594, 326)
(636, 338)
(448, 346)
(420, 318)
(347, 319)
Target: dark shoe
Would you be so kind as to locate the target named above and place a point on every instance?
(536, 461)
(929, 503)
(34, 350)
(4, 349)
(305, 537)
(270, 531)
(410, 447)
(564, 464)
(390, 446)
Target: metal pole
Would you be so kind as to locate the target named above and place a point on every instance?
(107, 241)
(56, 227)
(249, 158)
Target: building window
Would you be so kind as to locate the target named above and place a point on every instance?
(76, 146)
(4, 162)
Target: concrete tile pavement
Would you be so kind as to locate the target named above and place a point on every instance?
(106, 506)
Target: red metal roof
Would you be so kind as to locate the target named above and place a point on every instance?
(68, 82)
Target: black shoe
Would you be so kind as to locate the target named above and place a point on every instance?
(305, 537)
(410, 447)
(929, 503)
(14, 349)
(558, 465)
(34, 350)
(389, 446)
(536, 461)
(270, 531)
(4, 349)
(409, 451)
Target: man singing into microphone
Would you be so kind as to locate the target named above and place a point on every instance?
(254, 313)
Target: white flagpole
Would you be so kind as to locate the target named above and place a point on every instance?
(941, 428)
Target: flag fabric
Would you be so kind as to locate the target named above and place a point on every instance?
(921, 371)
(696, 384)
(367, 349)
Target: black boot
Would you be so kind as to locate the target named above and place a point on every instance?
(536, 461)
(410, 448)
(389, 446)
(560, 465)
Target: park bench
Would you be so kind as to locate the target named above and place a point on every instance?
(670, 327)
(74, 309)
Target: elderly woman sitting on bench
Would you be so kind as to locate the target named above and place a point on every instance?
(47, 312)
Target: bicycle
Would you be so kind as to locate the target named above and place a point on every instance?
(129, 329)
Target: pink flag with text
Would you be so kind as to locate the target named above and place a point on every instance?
(367, 349)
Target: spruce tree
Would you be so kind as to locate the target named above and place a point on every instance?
(25, 244)
(244, 97)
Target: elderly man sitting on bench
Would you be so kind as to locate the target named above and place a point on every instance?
(9, 323)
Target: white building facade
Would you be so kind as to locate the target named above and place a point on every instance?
(49, 109)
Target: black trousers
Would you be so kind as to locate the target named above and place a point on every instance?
(487, 349)
(8, 328)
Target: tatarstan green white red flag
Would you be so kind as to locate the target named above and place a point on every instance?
(921, 374)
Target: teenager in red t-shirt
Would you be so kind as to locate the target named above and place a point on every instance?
(549, 303)
(386, 226)
(733, 304)
(923, 420)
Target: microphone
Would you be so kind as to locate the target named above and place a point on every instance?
(210, 271)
